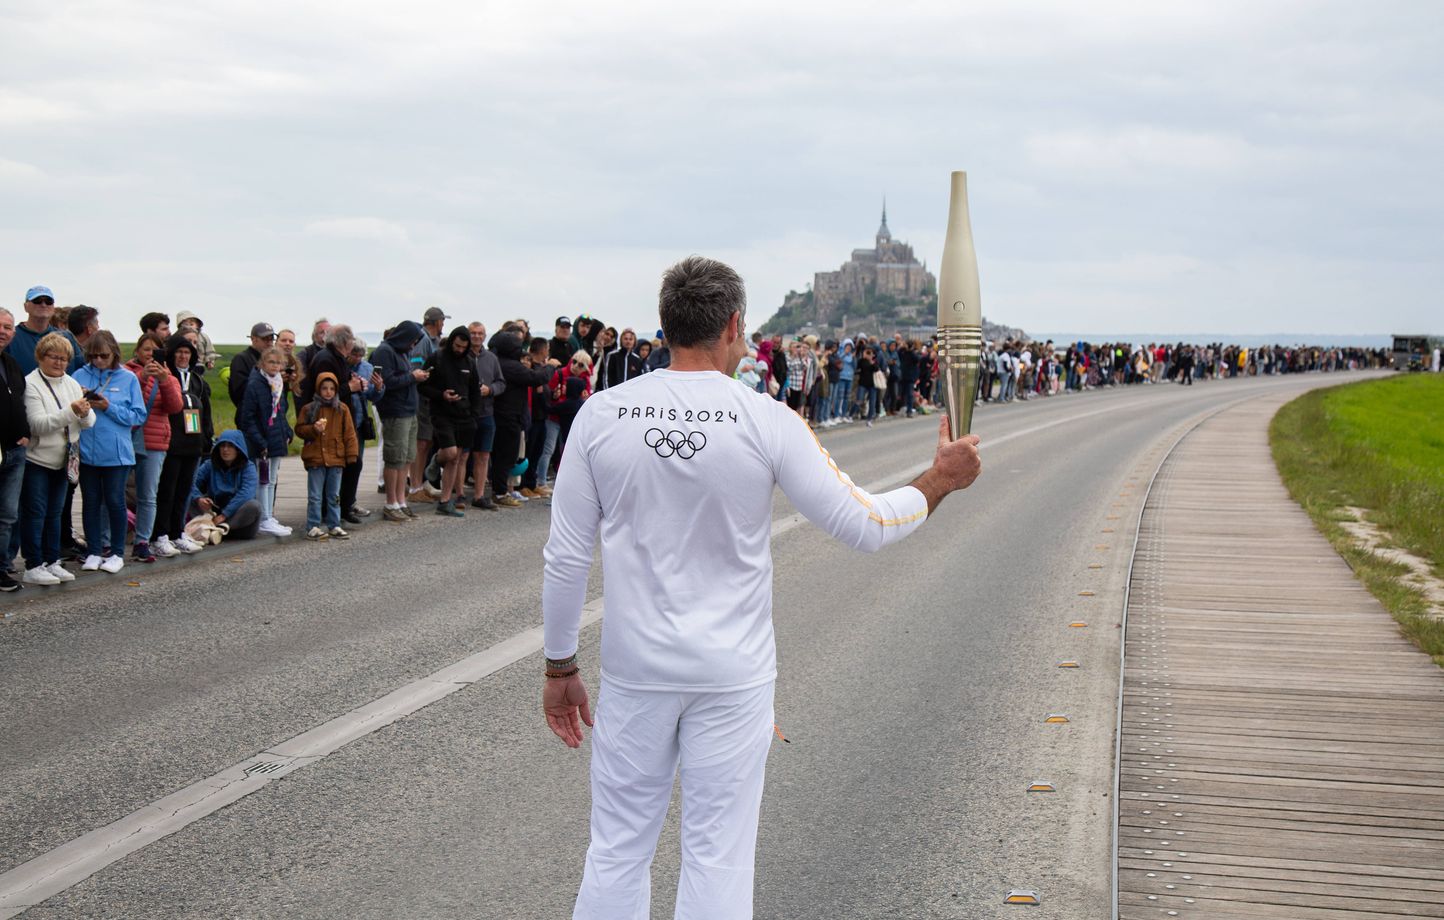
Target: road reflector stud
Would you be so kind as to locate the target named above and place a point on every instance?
(1100, 545)
(1095, 565)
(1022, 896)
(1041, 785)
(1055, 718)
(1085, 593)
(1077, 624)
(1067, 664)
(1108, 530)
(132, 584)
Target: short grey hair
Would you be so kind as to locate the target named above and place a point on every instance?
(7, 312)
(698, 297)
(340, 336)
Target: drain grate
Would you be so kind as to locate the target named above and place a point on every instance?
(265, 766)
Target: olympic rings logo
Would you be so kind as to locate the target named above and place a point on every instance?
(674, 442)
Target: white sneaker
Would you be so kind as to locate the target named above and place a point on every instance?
(317, 533)
(60, 572)
(91, 564)
(112, 564)
(430, 490)
(274, 527)
(162, 546)
(186, 545)
(40, 575)
(518, 496)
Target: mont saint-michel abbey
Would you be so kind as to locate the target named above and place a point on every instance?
(889, 271)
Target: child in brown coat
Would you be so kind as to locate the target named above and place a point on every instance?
(330, 435)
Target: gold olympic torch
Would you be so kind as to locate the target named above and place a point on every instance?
(960, 313)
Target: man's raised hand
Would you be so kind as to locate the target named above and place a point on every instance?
(958, 460)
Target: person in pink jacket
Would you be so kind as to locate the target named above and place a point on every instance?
(162, 396)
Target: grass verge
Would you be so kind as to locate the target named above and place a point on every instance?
(1377, 445)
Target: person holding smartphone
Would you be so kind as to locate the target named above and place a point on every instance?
(452, 388)
(107, 451)
(162, 396)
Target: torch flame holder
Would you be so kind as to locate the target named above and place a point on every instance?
(960, 352)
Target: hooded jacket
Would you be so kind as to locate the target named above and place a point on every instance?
(519, 378)
(326, 360)
(337, 445)
(227, 486)
(267, 434)
(457, 373)
(108, 442)
(195, 395)
(392, 359)
(166, 402)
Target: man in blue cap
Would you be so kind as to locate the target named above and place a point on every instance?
(39, 308)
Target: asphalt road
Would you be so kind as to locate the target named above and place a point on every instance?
(913, 688)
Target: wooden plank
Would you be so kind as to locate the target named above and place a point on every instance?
(1282, 745)
(1423, 902)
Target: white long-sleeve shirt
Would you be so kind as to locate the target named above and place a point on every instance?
(675, 470)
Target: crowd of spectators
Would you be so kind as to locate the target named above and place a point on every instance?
(132, 427)
(864, 378)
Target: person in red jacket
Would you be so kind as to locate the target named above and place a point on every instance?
(579, 368)
(162, 395)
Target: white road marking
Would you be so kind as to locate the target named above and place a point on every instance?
(31, 882)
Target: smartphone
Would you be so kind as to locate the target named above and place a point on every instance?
(90, 394)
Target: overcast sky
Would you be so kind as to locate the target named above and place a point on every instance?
(1222, 167)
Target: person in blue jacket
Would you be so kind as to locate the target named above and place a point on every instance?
(107, 450)
(268, 435)
(225, 486)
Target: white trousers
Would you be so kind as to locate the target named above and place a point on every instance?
(720, 741)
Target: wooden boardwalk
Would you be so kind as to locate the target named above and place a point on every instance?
(1283, 746)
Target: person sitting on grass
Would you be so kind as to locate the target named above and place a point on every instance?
(330, 435)
(225, 486)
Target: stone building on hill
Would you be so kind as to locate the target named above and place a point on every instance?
(888, 273)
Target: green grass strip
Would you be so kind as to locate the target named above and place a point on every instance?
(1377, 445)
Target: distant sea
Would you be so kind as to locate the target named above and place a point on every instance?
(1248, 341)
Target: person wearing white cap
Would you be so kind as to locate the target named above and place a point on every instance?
(675, 471)
(187, 319)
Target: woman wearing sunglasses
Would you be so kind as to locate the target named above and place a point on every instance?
(579, 369)
(107, 451)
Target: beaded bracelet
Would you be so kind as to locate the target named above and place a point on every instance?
(563, 675)
(561, 664)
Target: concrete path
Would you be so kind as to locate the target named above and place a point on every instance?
(1282, 744)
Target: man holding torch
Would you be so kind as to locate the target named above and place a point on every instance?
(675, 471)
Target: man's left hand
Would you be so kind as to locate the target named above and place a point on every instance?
(564, 700)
